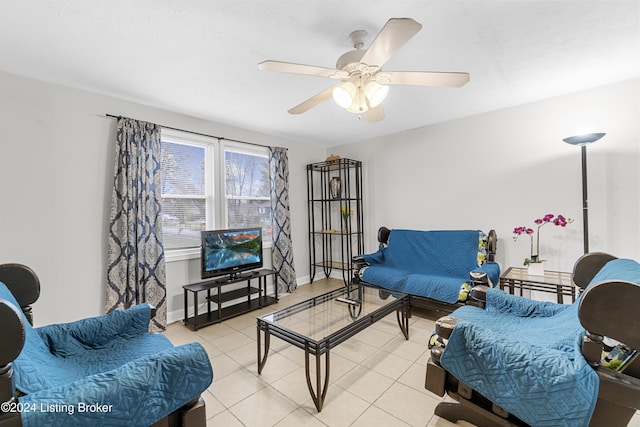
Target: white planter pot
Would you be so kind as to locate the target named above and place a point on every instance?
(536, 269)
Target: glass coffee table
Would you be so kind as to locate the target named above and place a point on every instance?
(321, 323)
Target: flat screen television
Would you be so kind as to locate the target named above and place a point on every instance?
(231, 252)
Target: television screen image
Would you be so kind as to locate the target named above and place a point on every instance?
(231, 251)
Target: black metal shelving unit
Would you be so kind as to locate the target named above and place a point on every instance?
(332, 241)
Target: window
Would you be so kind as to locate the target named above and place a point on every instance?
(211, 184)
(187, 189)
(247, 188)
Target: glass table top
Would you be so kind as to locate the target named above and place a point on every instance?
(325, 315)
(550, 277)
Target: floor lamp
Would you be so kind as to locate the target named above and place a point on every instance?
(583, 141)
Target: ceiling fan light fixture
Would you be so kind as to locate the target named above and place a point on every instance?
(362, 85)
(375, 93)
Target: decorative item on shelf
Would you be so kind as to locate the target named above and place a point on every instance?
(534, 263)
(332, 159)
(335, 187)
(346, 214)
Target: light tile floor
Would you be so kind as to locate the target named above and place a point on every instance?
(377, 377)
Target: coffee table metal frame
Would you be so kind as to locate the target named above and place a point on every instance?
(398, 302)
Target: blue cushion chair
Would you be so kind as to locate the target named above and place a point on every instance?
(107, 370)
(510, 360)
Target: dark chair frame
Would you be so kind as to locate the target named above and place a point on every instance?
(603, 308)
(432, 305)
(24, 284)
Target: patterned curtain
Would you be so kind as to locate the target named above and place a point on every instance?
(282, 255)
(136, 269)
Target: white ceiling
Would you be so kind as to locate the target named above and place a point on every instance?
(200, 57)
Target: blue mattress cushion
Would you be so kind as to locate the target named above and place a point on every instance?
(431, 264)
(110, 360)
(525, 355)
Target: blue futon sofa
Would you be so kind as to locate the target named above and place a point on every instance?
(433, 267)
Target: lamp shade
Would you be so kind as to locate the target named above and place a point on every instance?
(584, 139)
(344, 94)
(375, 93)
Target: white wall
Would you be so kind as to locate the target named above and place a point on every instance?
(496, 170)
(56, 171)
(506, 168)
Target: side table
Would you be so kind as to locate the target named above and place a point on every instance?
(556, 282)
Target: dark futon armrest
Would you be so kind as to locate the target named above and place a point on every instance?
(23, 283)
(12, 336)
(357, 263)
(587, 266)
(492, 245)
(478, 295)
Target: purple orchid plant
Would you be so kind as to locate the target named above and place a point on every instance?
(559, 221)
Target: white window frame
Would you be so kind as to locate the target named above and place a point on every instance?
(215, 191)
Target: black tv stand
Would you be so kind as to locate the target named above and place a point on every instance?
(218, 313)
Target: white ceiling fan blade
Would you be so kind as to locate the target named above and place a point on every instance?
(313, 101)
(395, 33)
(422, 78)
(310, 70)
(374, 114)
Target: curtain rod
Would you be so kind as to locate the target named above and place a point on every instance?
(203, 134)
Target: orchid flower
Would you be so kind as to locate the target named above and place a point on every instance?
(558, 220)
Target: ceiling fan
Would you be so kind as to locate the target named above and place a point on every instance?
(363, 85)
